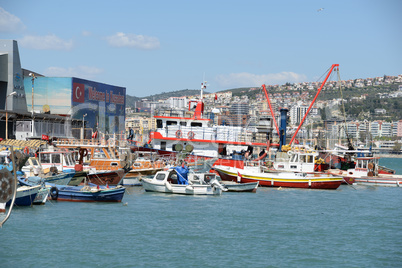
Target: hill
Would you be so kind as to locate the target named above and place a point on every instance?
(162, 96)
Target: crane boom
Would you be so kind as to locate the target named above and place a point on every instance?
(311, 105)
(270, 108)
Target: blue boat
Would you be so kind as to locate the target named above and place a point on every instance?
(86, 193)
(25, 195)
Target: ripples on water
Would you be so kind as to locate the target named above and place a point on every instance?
(348, 227)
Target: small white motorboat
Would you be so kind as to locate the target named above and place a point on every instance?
(166, 182)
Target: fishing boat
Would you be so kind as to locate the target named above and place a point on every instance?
(366, 172)
(167, 182)
(193, 135)
(25, 195)
(86, 193)
(107, 163)
(61, 160)
(279, 179)
(43, 192)
(33, 169)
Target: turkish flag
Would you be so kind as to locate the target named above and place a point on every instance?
(216, 97)
(45, 137)
(239, 177)
(78, 92)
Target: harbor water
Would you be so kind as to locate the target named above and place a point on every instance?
(356, 226)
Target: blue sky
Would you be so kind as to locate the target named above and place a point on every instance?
(151, 47)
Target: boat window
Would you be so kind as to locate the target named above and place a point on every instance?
(70, 160)
(293, 167)
(294, 158)
(34, 162)
(364, 164)
(160, 177)
(2, 160)
(310, 159)
(44, 158)
(114, 164)
(56, 158)
(163, 145)
(171, 123)
(303, 158)
(183, 123)
(196, 124)
(159, 123)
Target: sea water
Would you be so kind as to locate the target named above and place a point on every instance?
(356, 226)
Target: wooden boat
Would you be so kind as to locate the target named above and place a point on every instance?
(106, 177)
(108, 164)
(279, 179)
(366, 172)
(166, 182)
(86, 193)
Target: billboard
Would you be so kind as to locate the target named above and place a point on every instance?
(101, 106)
(54, 92)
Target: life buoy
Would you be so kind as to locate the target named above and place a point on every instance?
(190, 135)
(26, 150)
(178, 134)
(54, 193)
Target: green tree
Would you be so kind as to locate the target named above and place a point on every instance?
(397, 147)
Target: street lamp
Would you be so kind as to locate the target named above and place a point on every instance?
(33, 77)
(11, 94)
(83, 126)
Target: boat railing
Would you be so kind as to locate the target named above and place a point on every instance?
(215, 133)
(90, 142)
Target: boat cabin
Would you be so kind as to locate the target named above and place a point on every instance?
(365, 166)
(61, 159)
(297, 159)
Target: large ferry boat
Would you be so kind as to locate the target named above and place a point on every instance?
(192, 133)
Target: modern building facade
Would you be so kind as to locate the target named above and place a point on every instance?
(33, 105)
(100, 106)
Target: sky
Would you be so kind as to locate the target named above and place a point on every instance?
(150, 47)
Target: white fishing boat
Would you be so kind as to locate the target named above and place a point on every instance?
(366, 172)
(167, 182)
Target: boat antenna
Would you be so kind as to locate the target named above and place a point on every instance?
(203, 87)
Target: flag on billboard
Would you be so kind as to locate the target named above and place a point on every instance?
(78, 92)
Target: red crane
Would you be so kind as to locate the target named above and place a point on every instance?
(311, 105)
(270, 108)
